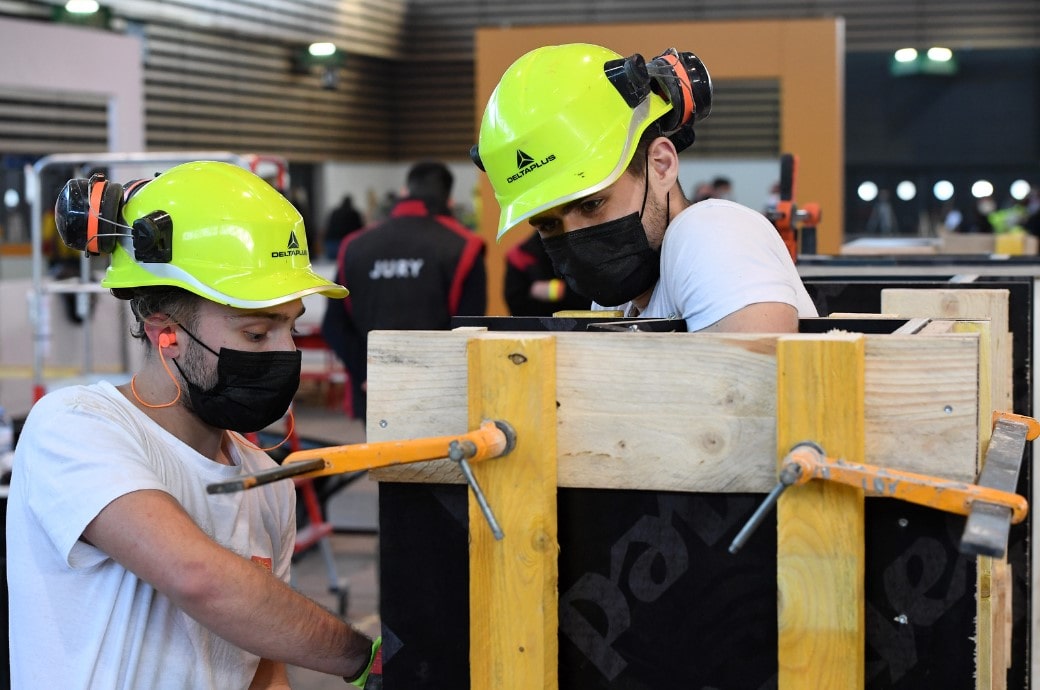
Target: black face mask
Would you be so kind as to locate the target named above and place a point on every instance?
(253, 389)
(611, 263)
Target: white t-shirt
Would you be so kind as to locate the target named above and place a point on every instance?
(78, 619)
(717, 258)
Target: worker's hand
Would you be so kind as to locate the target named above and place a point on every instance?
(372, 677)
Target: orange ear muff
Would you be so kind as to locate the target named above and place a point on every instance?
(106, 199)
(167, 339)
(682, 80)
(680, 94)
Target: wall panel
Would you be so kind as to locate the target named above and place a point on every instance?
(407, 88)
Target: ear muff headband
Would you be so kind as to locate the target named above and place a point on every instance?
(97, 192)
(679, 89)
(89, 231)
(132, 187)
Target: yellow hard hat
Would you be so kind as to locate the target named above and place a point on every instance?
(234, 239)
(556, 129)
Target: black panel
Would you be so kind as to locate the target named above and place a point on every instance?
(837, 294)
(650, 598)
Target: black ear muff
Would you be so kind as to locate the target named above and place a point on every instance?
(683, 81)
(86, 214)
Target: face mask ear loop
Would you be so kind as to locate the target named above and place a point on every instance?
(288, 434)
(133, 387)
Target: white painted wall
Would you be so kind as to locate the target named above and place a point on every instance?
(751, 177)
(88, 61)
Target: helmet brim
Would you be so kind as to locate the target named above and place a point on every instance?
(244, 290)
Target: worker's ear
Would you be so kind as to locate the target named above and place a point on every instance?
(662, 162)
(162, 334)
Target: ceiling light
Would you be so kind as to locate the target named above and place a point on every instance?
(906, 190)
(940, 54)
(981, 189)
(867, 191)
(82, 6)
(1020, 189)
(943, 190)
(906, 55)
(323, 49)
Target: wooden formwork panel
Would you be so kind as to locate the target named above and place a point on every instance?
(680, 411)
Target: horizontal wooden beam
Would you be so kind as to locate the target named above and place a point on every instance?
(679, 411)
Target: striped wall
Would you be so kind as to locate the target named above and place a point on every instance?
(220, 75)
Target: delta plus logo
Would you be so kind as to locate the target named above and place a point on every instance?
(292, 248)
(526, 164)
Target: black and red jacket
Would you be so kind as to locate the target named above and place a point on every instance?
(413, 271)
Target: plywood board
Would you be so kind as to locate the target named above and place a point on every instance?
(681, 411)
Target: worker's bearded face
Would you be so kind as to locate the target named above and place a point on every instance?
(616, 261)
(238, 390)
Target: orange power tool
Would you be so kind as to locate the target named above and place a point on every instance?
(794, 224)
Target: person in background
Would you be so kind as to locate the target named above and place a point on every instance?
(582, 145)
(343, 220)
(413, 271)
(718, 188)
(532, 287)
(123, 570)
(882, 221)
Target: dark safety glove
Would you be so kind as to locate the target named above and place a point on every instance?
(371, 678)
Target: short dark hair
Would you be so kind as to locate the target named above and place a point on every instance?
(180, 305)
(637, 166)
(430, 181)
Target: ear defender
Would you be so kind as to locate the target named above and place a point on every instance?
(167, 339)
(88, 217)
(679, 78)
(84, 212)
(683, 81)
